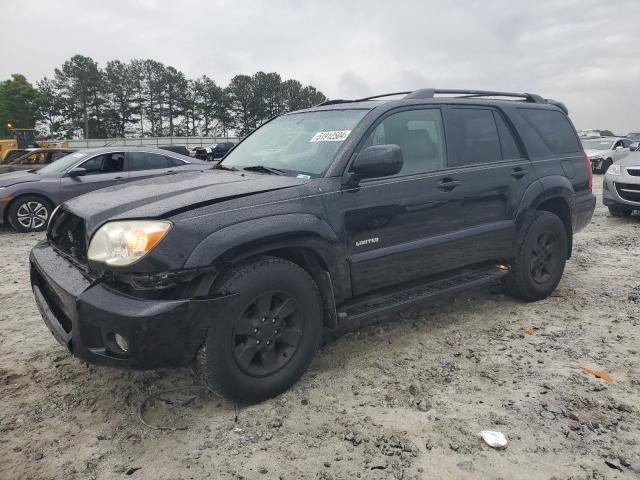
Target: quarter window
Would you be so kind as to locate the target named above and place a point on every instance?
(554, 129)
(174, 162)
(146, 161)
(419, 135)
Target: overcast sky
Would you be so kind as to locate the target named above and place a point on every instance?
(582, 52)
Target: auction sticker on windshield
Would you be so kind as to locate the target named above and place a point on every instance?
(334, 136)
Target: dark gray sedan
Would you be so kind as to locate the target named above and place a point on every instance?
(27, 198)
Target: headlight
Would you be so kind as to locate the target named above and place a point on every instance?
(121, 243)
(614, 169)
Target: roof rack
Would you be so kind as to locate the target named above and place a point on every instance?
(432, 92)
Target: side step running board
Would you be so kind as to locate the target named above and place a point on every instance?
(374, 304)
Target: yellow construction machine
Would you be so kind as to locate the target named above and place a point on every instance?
(24, 139)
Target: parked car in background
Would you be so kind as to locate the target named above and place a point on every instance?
(621, 186)
(181, 149)
(602, 152)
(217, 150)
(316, 221)
(589, 133)
(635, 136)
(15, 153)
(35, 159)
(27, 198)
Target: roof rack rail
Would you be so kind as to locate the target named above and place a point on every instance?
(432, 92)
(332, 102)
(381, 96)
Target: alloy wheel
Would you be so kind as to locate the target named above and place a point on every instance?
(267, 334)
(544, 257)
(32, 215)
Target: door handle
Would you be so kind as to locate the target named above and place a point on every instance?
(448, 184)
(518, 173)
(118, 178)
(170, 171)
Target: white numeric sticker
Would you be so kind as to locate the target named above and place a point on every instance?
(334, 136)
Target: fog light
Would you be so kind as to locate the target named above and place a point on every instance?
(121, 342)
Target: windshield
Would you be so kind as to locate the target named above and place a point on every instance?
(62, 163)
(597, 144)
(300, 143)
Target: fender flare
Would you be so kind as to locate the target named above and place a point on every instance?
(257, 236)
(251, 235)
(543, 189)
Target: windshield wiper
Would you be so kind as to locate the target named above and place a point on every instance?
(263, 169)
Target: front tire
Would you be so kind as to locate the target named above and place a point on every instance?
(30, 213)
(267, 335)
(539, 263)
(605, 165)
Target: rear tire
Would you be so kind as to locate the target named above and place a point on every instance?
(539, 263)
(620, 212)
(30, 213)
(267, 335)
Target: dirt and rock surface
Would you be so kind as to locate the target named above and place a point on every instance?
(405, 398)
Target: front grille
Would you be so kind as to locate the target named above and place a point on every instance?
(67, 236)
(635, 172)
(628, 191)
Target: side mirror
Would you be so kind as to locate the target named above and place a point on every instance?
(377, 161)
(77, 172)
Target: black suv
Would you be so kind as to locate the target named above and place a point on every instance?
(217, 150)
(316, 220)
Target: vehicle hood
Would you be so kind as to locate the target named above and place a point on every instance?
(595, 153)
(631, 160)
(18, 168)
(12, 178)
(161, 197)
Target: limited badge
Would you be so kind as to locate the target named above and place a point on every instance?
(334, 136)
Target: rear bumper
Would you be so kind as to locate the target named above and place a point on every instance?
(584, 208)
(84, 316)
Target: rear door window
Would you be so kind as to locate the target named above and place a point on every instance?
(146, 161)
(475, 136)
(554, 129)
(510, 148)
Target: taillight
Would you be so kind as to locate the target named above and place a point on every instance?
(588, 162)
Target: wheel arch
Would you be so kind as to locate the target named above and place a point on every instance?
(8, 206)
(303, 239)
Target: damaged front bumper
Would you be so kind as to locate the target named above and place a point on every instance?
(105, 326)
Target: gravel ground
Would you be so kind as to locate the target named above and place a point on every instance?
(404, 398)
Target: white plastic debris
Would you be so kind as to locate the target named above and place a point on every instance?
(494, 439)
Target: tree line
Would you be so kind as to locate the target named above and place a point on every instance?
(145, 98)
